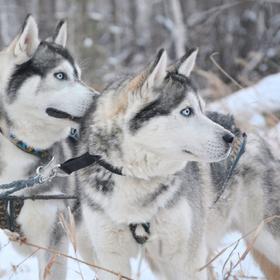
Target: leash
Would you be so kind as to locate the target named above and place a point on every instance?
(237, 153)
(11, 205)
(48, 172)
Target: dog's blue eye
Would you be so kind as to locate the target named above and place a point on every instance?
(187, 112)
(60, 76)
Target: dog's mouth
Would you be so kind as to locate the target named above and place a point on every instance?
(61, 115)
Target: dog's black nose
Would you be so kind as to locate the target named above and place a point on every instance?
(228, 138)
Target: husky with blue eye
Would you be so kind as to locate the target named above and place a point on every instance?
(41, 99)
(164, 163)
(147, 129)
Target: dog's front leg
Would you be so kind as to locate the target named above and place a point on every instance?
(51, 266)
(40, 225)
(112, 244)
(177, 244)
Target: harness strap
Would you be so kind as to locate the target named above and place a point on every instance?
(140, 232)
(9, 212)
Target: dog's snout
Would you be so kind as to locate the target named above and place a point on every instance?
(228, 138)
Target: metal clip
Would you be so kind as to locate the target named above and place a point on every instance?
(48, 172)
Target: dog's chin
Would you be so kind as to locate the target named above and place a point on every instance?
(58, 114)
(220, 157)
(205, 158)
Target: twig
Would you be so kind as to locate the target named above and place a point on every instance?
(47, 269)
(140, 262)
(256, 233)
(25, 242)
(70, 229)
(223, 71)
(25, 259)
(229, 256)
(201, 17)
(256, 230)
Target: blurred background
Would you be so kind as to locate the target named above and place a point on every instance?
(111, 37)
(237, 69)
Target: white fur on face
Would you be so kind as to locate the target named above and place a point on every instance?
(193, 138)
(37, 94)
(70, 96)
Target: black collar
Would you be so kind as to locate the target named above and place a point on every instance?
(85, 160)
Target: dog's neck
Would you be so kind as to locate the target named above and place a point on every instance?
(36, 135)
(140, 163)
(135, 161)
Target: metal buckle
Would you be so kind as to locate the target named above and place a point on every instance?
(48, 172)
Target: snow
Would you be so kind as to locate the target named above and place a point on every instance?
(88, 42)
(248, 103)
(28, 270)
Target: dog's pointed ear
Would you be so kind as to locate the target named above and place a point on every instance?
(26, 43)
(187, 63)
(153, 75)
(157, 70)
(60, 35)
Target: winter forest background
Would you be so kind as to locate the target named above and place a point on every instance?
(239, 45)
(114, 36)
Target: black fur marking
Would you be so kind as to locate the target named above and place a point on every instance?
(57, 49)
(57, 29)
(153, 196)
(20, 75)
(226, 121)
(155, 63)
(172, 93)
(100, 179)
(92, 204)
(24, 23)
(272, 202)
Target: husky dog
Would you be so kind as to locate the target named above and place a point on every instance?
(149, 128)
(42, 98)
(257, 198)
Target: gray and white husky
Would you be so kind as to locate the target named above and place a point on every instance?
(154, 129)
(42, 98)
(173, 158)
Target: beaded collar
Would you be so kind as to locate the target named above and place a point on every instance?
(42, 154)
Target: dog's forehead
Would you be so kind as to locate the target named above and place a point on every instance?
(177, 88)
(171, 94)
(46, 58)
(50, 55)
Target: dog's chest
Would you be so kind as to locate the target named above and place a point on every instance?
(134, 202)
(14, 163)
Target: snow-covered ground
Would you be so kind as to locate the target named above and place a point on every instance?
(28, 269)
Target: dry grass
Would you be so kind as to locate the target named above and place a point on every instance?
(14, 237)
(250, 239)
